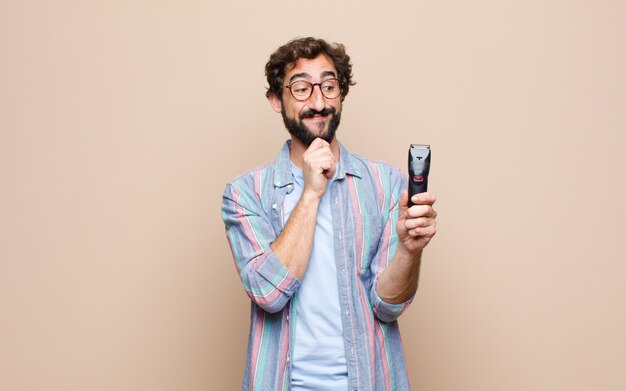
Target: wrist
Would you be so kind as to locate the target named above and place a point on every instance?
(402, 252)
(311, 196)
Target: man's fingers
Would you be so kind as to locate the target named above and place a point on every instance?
(320, 151)
(417, 211)
(423, 199)
(320, 158)
(317, 144)
(330, 171)
(425, 232)
(320, 154)
(321, 164)
(421, 222)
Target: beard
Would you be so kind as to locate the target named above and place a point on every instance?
(300, 132)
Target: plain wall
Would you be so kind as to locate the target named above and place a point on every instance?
(121, 122)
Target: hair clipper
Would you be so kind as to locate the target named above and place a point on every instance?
(419, 166)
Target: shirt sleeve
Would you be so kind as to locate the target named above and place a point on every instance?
(387, 245)
(266, 280)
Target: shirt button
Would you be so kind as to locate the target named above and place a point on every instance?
(274, 206)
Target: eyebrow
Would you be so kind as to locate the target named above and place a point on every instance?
(307, 76)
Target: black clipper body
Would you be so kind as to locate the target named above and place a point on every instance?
(419, 166)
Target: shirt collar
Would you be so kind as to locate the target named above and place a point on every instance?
(282, 168)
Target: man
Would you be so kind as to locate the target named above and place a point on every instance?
(323, 240)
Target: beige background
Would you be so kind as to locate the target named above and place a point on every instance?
(121, 122)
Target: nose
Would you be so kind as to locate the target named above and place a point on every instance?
(316, 100)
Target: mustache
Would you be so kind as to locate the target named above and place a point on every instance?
(312, 113)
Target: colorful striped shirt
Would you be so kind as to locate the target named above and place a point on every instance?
(364, 205)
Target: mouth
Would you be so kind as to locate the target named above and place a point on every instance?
(317, 115)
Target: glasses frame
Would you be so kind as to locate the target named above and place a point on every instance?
(313, 87)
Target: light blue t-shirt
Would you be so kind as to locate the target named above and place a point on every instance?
(319, 357)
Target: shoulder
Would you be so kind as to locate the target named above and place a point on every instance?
(377, 170)
(248, 188)
(252, 176)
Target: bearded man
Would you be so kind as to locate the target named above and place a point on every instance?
(324, 241)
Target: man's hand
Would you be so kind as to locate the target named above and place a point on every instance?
(294, 244)
(417, 224)
(318, 167)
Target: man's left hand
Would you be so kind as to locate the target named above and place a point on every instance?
(416, 225)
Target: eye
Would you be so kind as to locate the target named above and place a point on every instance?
(300, 87)
(330, 85)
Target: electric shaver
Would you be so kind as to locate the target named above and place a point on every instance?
(419, 166)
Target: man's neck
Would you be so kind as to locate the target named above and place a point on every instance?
(298, 149)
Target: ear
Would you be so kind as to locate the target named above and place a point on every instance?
(275, 101)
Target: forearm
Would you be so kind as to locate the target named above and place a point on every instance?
(294, 244)
(398, 282)
(266, 280)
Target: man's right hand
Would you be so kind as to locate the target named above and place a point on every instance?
(318, 167)
(294, 244)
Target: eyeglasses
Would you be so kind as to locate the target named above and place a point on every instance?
(302, 89)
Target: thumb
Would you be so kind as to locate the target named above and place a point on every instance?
(330, 173)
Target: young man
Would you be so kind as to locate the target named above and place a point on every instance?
(324, 242)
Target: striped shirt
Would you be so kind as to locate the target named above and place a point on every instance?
(364, 205)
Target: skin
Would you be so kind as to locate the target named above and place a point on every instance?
(416, 225)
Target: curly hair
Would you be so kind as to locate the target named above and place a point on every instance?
(308, 48)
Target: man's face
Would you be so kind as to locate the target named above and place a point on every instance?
(316, 116)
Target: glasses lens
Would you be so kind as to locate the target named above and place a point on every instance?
(330, 88)
(301, 89)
